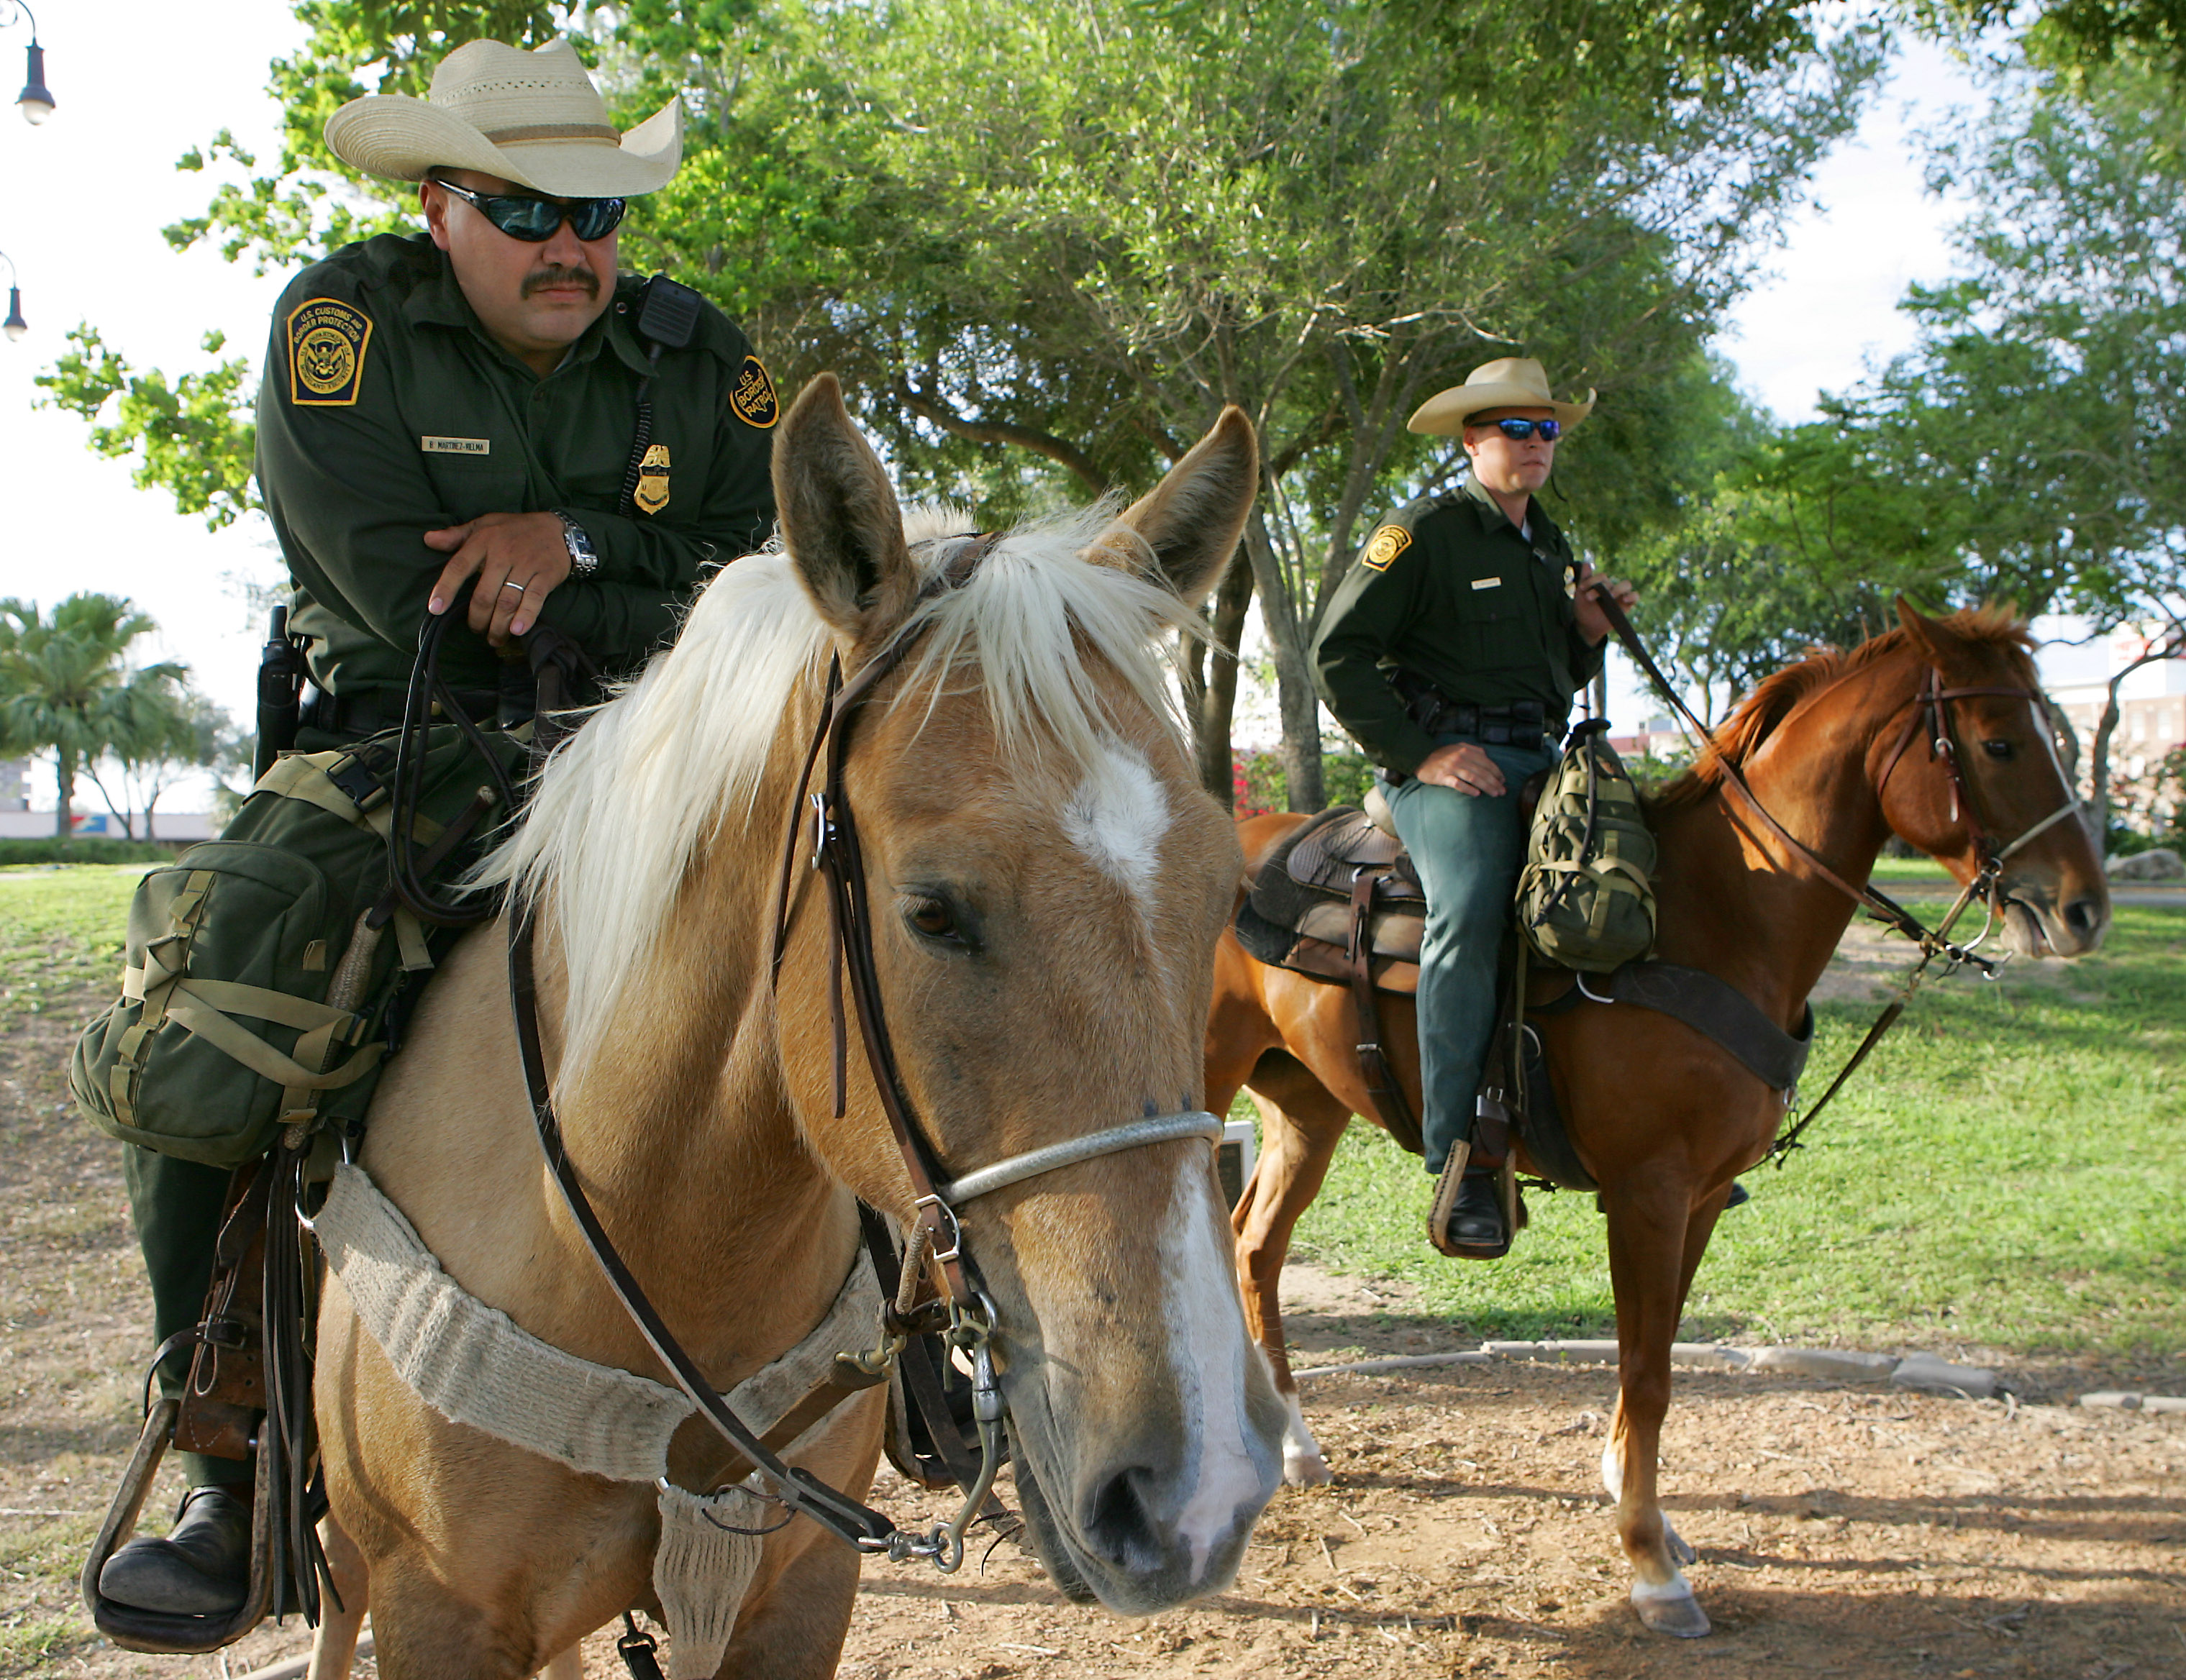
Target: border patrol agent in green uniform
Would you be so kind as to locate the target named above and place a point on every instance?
(1451, 651)
(461, 406)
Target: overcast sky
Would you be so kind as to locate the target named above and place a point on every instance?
(137, 84)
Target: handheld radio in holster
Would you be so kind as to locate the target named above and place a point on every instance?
(280, 692)
(667, 319)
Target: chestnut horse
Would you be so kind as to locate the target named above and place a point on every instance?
(1047, 884)
(1662, 1118)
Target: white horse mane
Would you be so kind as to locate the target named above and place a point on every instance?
(624, 805)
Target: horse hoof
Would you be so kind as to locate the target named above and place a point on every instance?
(1306, 1470)
(1671, 1609)
(1681, 1550)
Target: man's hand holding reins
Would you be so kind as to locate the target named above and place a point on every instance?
(1463, 765)
(1593, 623)
(518, 558)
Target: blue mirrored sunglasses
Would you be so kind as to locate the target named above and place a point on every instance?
(536, 221)
(1519, 430)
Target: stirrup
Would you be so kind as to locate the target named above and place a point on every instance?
(163, 1633)
(1447, 1187)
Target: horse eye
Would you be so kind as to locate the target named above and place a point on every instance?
(931, 917)
(1996, 749)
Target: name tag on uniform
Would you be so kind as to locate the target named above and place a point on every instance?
(455, 445)
(1488, 583)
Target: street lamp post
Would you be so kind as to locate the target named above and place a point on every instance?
(14, 326)
(35, 101)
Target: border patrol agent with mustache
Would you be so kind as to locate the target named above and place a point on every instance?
(1450, 652)
(459, 407)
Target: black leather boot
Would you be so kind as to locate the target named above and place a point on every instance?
(1467, 1220)
(201, 1569)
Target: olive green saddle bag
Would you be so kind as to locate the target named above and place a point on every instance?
(266, 970)
(1586, 900)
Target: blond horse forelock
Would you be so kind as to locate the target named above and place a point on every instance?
(677, 756)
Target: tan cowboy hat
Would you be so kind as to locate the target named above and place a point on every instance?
(1514, 382)
(532, 118)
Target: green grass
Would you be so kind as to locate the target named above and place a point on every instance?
(88, 850)
(2007, 1171)
(61, 929)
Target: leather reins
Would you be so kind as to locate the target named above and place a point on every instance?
(838, 855)
(1932, 704)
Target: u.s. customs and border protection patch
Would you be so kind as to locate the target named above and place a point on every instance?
(326, 353)
(753, 398)
(651, 495)
(1384, 547)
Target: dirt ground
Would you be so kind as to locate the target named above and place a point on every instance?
(1846, 1531)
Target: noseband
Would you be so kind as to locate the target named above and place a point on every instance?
(971, 1319)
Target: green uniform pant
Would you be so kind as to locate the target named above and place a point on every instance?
(1469, 849)
(177, 1207)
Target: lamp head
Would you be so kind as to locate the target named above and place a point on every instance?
(14, 326)
(35, 101)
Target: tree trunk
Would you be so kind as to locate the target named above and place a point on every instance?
(2098, 766)
(1217, 699)
(64, 779)
(1298, 706)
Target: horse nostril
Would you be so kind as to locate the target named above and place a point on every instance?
(1118, 1528)
(2084, 916)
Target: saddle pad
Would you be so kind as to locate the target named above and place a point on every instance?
(1394, 933)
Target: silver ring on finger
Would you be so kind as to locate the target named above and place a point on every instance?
(511, 583)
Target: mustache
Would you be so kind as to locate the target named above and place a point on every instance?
(554, 274)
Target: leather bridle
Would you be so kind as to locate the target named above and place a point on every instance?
(971, 1320)
(1929, 704)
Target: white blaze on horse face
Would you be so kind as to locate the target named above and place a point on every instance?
(1208, 1351)
(1117, 816)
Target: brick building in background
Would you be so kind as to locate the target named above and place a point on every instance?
(2151, 725)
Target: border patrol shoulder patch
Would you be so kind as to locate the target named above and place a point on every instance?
(753, 399)
(326, 353)
(1384, 547)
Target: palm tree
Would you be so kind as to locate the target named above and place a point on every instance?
(65, 684)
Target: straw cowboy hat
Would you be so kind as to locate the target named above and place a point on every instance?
(532, 118)
(1514, 382)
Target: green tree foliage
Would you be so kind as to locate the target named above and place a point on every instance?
(2032, 446)
(1047, 239)
(66, 688)
(192, 438)
(2071, 37)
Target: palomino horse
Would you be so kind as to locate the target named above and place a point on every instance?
(1661, 1117)
(1046, 884)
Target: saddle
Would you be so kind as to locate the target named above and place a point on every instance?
(1339, 886)
(1339, 900)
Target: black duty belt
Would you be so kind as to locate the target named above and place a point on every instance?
(1522, 723)
(370, 710)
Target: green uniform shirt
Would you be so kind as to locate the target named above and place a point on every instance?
(387, 411)
(1450, 591)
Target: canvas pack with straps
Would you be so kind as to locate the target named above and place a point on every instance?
(262, 968)
(1587, 898)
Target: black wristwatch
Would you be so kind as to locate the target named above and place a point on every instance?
(584, 558)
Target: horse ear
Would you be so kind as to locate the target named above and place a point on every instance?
(1928, 633)
(1193, 517)
(839, 518)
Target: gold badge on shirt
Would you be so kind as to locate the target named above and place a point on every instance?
(651, 495)
(326, 353)
(1384, 547)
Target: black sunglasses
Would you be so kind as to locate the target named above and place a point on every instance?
(1519, 430)
(536, 221)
